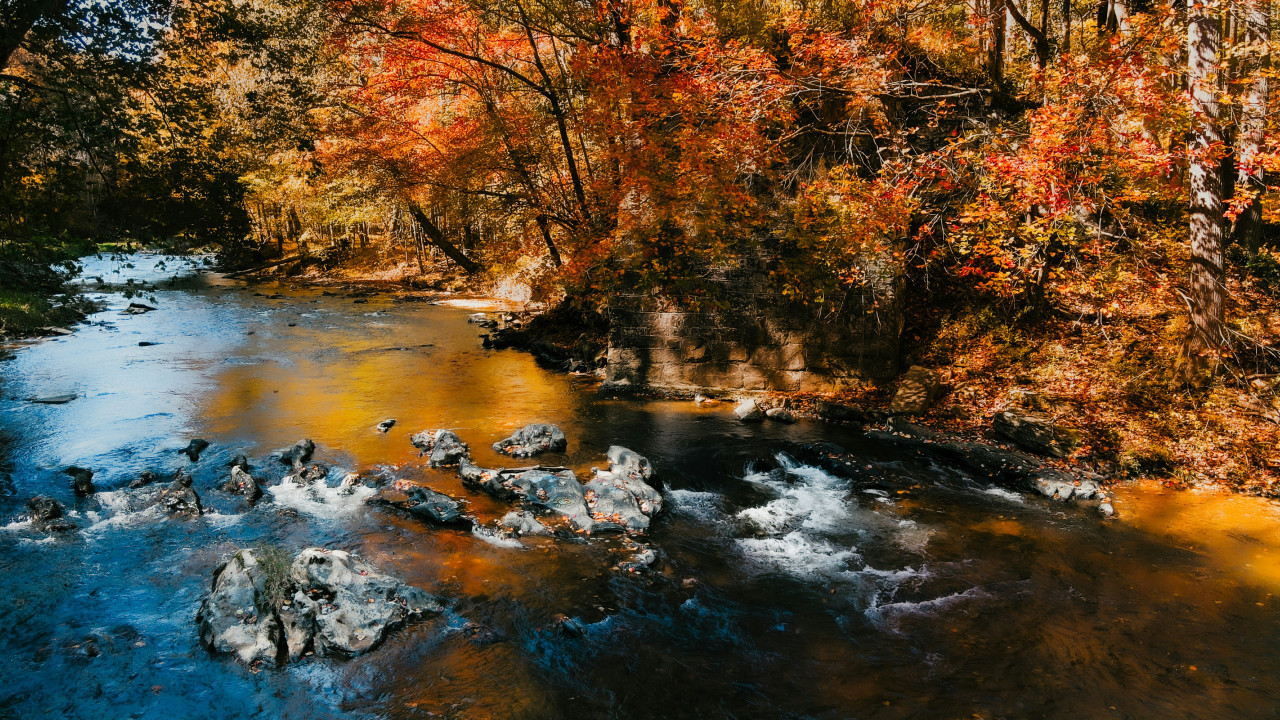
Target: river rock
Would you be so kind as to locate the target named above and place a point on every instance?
(237, 616)
(52, 399)
(780, 414)
(749, 411)
(357, 605)
(386, 425)
(1036, 432)
(521, 523)
(146, 478)
(621, 495)
(242, 483)
(917, 390)
(300, 453)
(137, 309)
(531, 440)
(81, 480)
(436, 507)
(443, 447)
(552, 490)
(194, 448)
(47, 514)
(179, 498)
(308, 474)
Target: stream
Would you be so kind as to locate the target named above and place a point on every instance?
(794, 594)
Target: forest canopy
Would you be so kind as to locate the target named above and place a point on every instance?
(1041, 157)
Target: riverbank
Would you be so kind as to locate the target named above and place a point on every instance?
(1110, 379)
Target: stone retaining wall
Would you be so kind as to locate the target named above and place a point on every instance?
(749, 337)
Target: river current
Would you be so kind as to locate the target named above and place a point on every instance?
(792, 594)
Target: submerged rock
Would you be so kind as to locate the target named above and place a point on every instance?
(533, 439)
(81, 480)
(194, 448)
(179, 498)
(263, 611)
(300, 453)
(385, 425)
(52, 399)
(443, 447)
(137, 309)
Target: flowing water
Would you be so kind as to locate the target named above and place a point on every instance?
(784, 594)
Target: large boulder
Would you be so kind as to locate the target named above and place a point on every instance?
(300, 453)
(265, 610)
(179, 498)
(1036, 432)
(917, 390)
(621, 495)
(238, 616)
(531, 440)
(355, 605)
(553, 491)
(443, 447)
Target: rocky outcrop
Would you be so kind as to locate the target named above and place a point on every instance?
(443, 447)
(325, 602)
(194, 448)
(1008, 468)
(917, 390)
(179, 498)
(531, 440)
(1035, 432)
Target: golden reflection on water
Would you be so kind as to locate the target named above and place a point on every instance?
(1237, 534)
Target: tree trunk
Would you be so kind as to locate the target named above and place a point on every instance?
(995, 57)
(1207, 336)
(1253, 122)
(546, 236)
(438, 239)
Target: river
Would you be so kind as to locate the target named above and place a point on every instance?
(926, 595)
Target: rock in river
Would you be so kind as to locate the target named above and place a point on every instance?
(552, 490)
(434, 507)
(531, 440)
(242, 483)
(443, 446)
(300, 453)
(194, 448)
(325, 601)
(46, 514)
(179, 498)
(81, 480)
(621, 495)
(749, 411)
